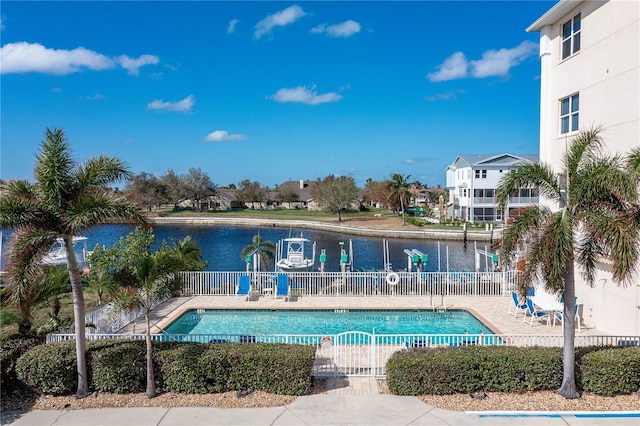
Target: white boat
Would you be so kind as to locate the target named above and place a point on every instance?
(58, 254)
(293, 255)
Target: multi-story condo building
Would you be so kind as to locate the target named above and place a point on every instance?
(472, 181)
(590, 76)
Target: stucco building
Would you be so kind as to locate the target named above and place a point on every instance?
(590, 76)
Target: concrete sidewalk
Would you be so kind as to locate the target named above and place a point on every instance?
(323, 409)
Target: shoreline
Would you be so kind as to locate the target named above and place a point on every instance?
(367, 231)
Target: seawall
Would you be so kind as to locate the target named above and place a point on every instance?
(413, 233)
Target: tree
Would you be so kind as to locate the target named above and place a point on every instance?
(287, 195)
(251, 192)
(198, 185)
(66, 199)
(145, 278)
(266, 251)
(147, 190)
(335, 194)
(597, 199)
(176, 190)
(399, 186)
(377, 192)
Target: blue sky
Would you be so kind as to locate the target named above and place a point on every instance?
(271, 91)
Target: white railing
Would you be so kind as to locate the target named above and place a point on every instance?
(366, 354)
(210, 283)
(106, 319)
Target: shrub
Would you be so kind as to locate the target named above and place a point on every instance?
(178, 368)
(50, 368)
(12, 348)
(443, 371)
(611, 371)
(118, 366)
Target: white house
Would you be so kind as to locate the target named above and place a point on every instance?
(472, 182)
(590, 76)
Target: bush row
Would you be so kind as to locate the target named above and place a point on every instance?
(603, 371)
(119, 366)
(11, 349)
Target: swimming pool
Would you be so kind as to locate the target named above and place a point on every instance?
(325, 322)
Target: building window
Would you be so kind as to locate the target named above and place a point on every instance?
(571, 37)
(477, 174)
(569, 113)
(484, 174)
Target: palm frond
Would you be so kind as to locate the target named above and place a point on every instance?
(102, 207)
(525, 223)
(101, 171)
(54, 167)
(528, 175)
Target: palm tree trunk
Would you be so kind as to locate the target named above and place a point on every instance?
(78, 317)
(402, 209)
(568, 387)
(151, 385)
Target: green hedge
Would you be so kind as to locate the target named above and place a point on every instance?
(12, 348)
(611, 371)
(50, 368)
(119, 366)
(441, 371)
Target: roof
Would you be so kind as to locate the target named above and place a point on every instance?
(493, 160)
(554, 14)
(304, 193)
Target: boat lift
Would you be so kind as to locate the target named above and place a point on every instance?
(346, 259)
(416, 258)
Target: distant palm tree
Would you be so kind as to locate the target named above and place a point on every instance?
(266, 251)
(597, 199)
(66, 199)
(188, 253)
(400, 186)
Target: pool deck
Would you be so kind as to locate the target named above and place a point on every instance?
(491, 310)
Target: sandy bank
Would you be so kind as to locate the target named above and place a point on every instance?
(353, 227)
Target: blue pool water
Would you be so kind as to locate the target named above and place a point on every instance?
(270, 322)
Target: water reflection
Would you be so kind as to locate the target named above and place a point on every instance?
(221, 246)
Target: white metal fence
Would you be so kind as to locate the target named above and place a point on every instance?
(365, 354)
(209, 283)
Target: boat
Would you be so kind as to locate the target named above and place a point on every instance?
(58, 254)
(292, 259)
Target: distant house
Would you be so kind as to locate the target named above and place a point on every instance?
(472, 181)
(283, 198)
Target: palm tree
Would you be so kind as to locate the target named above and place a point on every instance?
(266, 251)
(144, 278)
(597, 197)
(188, 253)
(400, 186)
(66, 199)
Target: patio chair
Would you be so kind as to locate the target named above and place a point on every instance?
(535, 313)
(559, 315)
(516, 306)
(244, 287)
(282, 286)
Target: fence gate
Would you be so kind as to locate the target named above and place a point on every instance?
(346, 354)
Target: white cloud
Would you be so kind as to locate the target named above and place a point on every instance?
(22, 57)
(278, 19)
(232, 26)
(133, 65)
(181, 106)
(344, 29)
(447, 96)
(33, 57)
(500, 62)
(223, 136)
(493, 63)
(455, 66)
(303, 95)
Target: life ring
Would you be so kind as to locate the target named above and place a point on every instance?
(392, 278)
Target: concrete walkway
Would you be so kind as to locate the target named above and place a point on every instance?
(324, 409)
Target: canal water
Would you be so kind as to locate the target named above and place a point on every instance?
(221, 246)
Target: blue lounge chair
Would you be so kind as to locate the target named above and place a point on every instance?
(282, 286)
(535, 313)
(244, 287)
(516, 305)
(559, 315)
